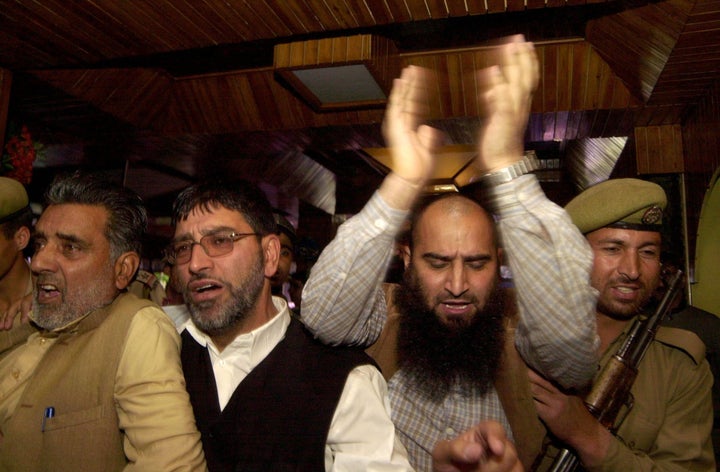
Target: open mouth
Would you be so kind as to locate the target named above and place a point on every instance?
(459, 309)
(204, 289)
(47, 292)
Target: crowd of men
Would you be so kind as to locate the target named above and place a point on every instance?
(446, 370)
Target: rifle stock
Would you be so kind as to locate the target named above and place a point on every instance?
(611, 391)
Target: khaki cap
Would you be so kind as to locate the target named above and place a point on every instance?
(13, 198)
(625, 203)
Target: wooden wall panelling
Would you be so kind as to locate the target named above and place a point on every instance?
(549, 80)
(565, 75)
(659, 149)
(469, 83)
(579, 67)
(455, 89)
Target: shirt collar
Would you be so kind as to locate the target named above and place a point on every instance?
(259, 341)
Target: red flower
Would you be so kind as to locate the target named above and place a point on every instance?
(20, 153)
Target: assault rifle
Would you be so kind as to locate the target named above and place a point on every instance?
(612, 389)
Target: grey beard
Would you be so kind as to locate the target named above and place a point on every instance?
(242, 300)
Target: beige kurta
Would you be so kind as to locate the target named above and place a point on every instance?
(118, 393)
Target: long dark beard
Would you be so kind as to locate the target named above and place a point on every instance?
(436, 356)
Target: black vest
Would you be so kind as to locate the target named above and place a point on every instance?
(279, 416)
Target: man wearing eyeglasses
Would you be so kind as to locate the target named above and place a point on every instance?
(266, 395)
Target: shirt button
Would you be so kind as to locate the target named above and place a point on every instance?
(449, 432)
(16, 374)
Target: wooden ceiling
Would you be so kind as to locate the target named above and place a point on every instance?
(165, 92)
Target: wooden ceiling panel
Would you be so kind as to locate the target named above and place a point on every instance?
(136, 96)
(635, 47)
(399, 11)
(148, 68)
(694, 63)
(574, 78)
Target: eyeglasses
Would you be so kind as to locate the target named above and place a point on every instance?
(214, 245)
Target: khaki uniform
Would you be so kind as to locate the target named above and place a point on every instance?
(669, 424)
(147, 286)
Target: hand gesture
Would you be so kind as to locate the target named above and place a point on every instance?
(483, 448)
(412, 144)
(569, 420)
(506, 99)
(19, 310)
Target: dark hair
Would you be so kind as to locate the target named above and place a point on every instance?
(422, 206)
(23, 218)
(127, 217)
(237, 195)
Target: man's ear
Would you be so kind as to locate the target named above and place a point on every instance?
(22, 237)
(271, 249)
(405, 253)
(125, 267)
(500, 257)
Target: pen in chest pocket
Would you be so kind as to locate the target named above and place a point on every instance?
(49, 413)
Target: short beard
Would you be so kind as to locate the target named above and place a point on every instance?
(625, 311)
(438, 357)
(74, 306)
(242, 300)
(620, 314)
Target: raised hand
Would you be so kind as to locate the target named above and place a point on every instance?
(411, 142)
(506, 99)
